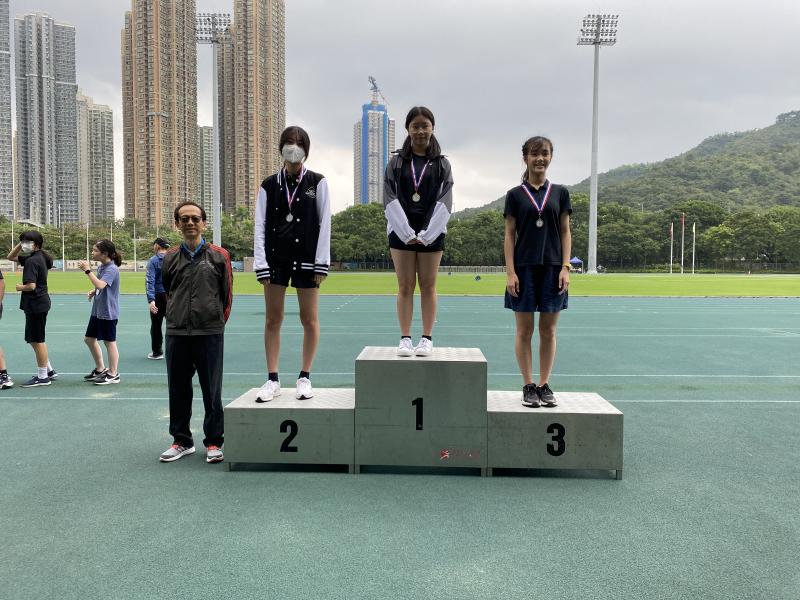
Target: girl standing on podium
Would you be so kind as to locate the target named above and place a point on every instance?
(418, 200)
(537, 247)
(292, 246)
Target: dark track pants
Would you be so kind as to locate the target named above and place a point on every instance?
(156, 336)
(187, 354)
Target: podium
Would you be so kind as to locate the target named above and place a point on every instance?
(582, 431)
(421, 411)
(425, 412)
(289, 431)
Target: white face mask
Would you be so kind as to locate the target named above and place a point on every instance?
(27, 247)
(293, 153)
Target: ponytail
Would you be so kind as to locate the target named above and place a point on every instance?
(108, 248)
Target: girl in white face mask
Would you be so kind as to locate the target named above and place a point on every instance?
(292, 246)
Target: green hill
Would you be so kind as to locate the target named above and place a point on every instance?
(752, 168)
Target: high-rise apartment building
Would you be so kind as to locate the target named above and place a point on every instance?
(373, 141)
(159, 108)
(95, 161)
(251, 78)
(205, 169)
(47, 161)
(6, 135)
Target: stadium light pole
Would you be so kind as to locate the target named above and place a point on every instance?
(596, 30)
(208, 26)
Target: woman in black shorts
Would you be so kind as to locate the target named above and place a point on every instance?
(418, 200)
(537, 247)
(292, 242)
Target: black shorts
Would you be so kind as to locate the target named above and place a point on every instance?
(298, 278)
(35, 324)
(102, 329)
(397, 244)
(538, 290)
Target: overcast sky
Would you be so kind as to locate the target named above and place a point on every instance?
(495, 73)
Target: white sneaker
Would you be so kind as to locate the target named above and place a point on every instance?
(304, 391)
(424, 348)
(175, 452)
(268, 391)
(406, 348)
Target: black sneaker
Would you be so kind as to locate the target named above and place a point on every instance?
(5, 381)
(530, 395)
(35, 381)
(547, 396)
(107, 379)
(52, 374)
(94, 375)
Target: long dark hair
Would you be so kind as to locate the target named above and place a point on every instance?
(433, 150)
(302, 137)
(534, 143)
(38, 240)
(109, 249)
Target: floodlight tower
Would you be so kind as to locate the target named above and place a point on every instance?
(208, 27)
(596, 30)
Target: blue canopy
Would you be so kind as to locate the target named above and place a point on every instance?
(575, 261)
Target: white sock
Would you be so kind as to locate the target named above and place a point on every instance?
(49, 366)
(42, 372)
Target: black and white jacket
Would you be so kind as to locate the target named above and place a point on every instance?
(302, 244)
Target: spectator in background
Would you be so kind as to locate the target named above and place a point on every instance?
(35, 300)
(105, 312)
(5, 380)
(156, 298)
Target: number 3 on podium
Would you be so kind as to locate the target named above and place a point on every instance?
(559, 446)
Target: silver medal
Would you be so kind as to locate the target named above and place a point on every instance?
(290, 218)
(415, 197)
(539, 223)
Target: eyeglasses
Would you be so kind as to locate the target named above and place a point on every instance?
(193, 218)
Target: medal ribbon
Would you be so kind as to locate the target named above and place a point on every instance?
(533, 200)
(414, 174)
(290, 199)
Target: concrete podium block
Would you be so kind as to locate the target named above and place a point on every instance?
(289, 431)
(583, 431)
(421, 411)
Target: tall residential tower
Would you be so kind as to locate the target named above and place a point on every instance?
(6, 136)
(95, 161)
(47, 148)
(159, 108)
(205, 168)
(373, 141)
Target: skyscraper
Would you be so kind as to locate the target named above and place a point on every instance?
(159, 108)
(373, 141)
(251, 78)
(47, 161)
(95, 161)
(6, 148)
(205, 169)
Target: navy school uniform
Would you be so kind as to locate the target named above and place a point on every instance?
(292, 242)
(537, 251)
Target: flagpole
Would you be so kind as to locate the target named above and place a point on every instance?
(671, 243)
(683, 230)
(694, 236)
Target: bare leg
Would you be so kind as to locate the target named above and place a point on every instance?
(405, 267)
(40, 350)
(2, 360)
(274, 296)
(113, 357)
(547, 345)
(97, 354)
(308, 298)
(522, 345)
(428, 269)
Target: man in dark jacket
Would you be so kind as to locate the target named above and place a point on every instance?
(198, 280)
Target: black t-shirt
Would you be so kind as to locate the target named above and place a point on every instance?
(34, 270)
(537, 245)
(417, 212)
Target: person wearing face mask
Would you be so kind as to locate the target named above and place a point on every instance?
(292, 239)
(418, 200)
(537, 247)
(35, 300)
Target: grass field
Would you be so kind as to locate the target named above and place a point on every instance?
(491, 284)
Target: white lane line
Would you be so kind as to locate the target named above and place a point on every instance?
(700, 376)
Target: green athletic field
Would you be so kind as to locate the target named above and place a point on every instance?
(707, 509)
(491, 284)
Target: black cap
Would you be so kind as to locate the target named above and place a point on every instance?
(161, 242)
